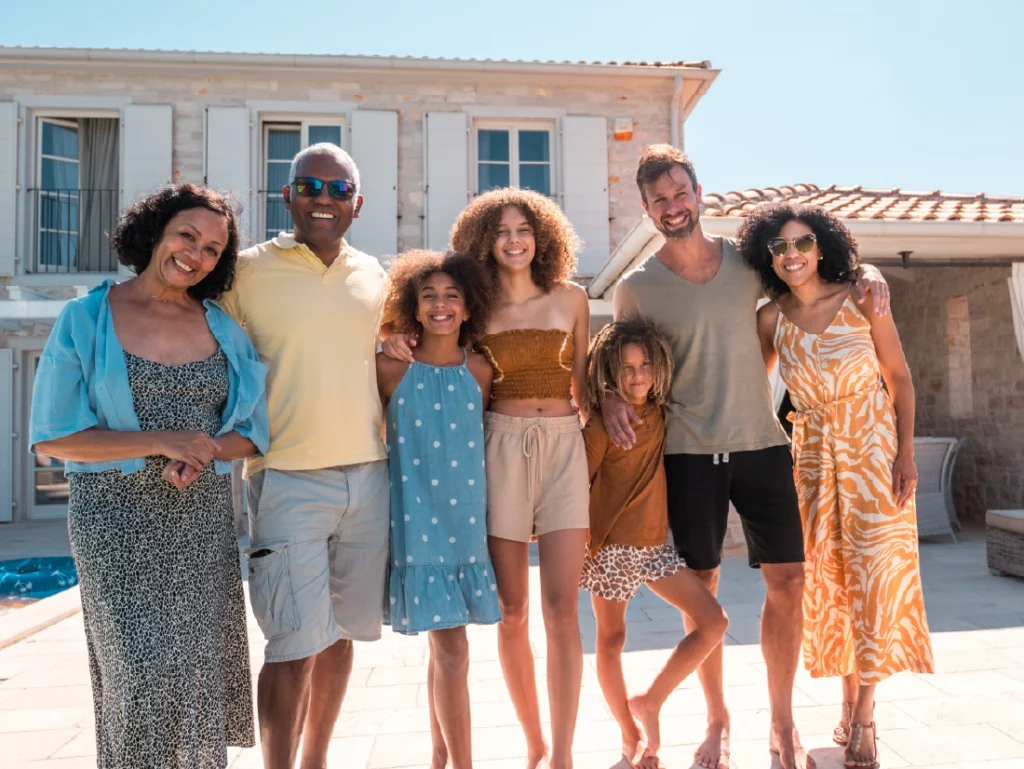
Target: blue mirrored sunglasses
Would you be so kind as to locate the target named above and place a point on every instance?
(311, 187)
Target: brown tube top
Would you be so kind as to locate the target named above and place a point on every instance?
(529, 363)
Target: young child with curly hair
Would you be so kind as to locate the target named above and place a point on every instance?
(628, 538)
(441, 578)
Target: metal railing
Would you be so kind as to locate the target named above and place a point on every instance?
(72, 230)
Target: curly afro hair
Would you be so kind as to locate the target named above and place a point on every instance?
(141, 225)
(839, 262)
(410, 269)
(604, 363)
(476, 231)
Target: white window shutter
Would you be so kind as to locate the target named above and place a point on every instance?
(446, 189)
(375, 150)
(228, 162)
(6, 434)
(8, 187)
(585, 187)
(145, 150)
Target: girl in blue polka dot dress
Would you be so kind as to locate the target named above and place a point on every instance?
(441, 577)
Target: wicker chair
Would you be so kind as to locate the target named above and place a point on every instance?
(934, 458)
(1005, 541)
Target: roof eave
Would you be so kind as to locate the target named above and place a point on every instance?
(330, 62)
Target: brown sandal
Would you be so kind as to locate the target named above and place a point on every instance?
(856, 736)
(841, 734)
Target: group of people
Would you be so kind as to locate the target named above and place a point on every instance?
(408, 433)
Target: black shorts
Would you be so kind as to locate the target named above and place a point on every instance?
(758, 483)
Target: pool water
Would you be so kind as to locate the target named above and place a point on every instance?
(26, 580)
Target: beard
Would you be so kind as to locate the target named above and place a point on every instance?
(680, 231)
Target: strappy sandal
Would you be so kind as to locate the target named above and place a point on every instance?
(841, 734)
(856, 737)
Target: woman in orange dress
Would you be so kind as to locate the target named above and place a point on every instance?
(853, 452)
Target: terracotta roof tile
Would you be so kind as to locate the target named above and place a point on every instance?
(860, 203)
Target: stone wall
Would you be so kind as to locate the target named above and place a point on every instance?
(957, 332)
(411, 94)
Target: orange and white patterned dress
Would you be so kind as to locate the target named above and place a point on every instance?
(863, 605)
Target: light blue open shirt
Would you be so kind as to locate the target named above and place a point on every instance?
(82, 381)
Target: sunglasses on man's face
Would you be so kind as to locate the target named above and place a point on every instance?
(311, 187)
(779, 247)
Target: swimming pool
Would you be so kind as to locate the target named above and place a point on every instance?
(26, 580)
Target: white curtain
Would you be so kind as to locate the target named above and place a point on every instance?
(1016, 282)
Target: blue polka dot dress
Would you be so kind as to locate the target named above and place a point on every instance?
(441, 574)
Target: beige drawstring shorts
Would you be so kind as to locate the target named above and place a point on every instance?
(536, 476)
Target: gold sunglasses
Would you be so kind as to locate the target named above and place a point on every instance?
(779, 247)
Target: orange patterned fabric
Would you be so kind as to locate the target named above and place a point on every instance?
(863, 605)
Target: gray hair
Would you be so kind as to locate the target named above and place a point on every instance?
(326, 148)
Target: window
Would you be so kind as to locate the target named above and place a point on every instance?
(75, 200)
(281, 143)
(518, 156)
(50, 489)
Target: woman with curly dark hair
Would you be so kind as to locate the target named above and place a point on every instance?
(536, 340)
(853, 449)
(148, 390)
(441, 577)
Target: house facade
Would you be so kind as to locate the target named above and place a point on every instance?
(83, 132)
(955, 268)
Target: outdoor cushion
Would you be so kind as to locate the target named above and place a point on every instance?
(1006, 520)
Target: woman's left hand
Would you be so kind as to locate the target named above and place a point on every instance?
(179, 474)
(904, 478)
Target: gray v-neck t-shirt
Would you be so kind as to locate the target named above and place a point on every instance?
(721, 401)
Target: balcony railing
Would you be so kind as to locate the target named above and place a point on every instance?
(72, 231)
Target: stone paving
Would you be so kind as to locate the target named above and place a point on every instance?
(968, 715)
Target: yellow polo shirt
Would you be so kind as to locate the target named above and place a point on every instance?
(316, 329)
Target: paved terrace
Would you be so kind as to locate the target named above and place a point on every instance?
(966, 716)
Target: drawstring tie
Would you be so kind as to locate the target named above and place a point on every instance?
(828, 408)
(724, 458)
(531, 448)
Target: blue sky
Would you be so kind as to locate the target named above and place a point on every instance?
(899, 93)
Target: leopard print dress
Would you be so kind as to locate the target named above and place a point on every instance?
(162, 590)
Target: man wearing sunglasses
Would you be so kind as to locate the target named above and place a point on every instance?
(724, 442)
(318, 499)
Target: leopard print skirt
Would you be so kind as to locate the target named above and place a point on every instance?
(161, 585)
(618, 571)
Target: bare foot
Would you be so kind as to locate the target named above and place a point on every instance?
(862, 752)
(650, 762)
(785, 743)
(647, 715)
(632, 745)
(538, 760)
(713, 753)
(439, 759)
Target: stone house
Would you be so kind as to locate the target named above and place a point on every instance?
(955, 267)
(83, 132)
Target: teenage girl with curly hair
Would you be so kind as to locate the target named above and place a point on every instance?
(536, 340)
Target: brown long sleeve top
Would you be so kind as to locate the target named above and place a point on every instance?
(628, 494)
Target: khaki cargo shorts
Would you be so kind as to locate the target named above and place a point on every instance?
(318, 557)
